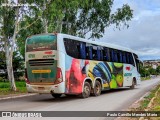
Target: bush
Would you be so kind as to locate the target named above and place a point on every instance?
(2, 78)
(4, 85)
(21, 83)
(17, 75)
(18, 65)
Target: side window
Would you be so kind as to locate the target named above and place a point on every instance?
(72, 47)
(127, 57)
(131, 61)
(82, 50)
(101, 52)
(89, 51)
(111, 55)
(105, 54)
(115, 55)
(124, 57)
(120, 56)
(95, 53)
(98, 54)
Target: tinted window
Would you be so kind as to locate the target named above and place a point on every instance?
(111, 52)
(119, 54)
(101, 52)
(114, 55)
(89, 53)
(124, 57)
(73, 48)
(82, 50)
(131, 61)
(95, 53)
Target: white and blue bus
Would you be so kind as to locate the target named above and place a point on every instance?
(64, 64)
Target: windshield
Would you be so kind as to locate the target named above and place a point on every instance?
(41, 43)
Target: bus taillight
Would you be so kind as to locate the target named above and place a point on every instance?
(26, 77)
(59, 76)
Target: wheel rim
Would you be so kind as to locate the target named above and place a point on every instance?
(97, 89)
(86, 91)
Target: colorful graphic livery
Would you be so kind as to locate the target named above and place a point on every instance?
(64, 64)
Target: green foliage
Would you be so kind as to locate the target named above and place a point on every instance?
(18, 84)
(152, 71)
(147, 71)
(158, 70)
(75, 17)
(144, 72)
(36, 28)
(95, 16)
(5, 88)
(21, 83)
(3, 68)
(4, 85)
(18, 65)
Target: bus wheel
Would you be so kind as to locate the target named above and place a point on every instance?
(86, 90)
(56, 95)
(133, 84)
(97, 89)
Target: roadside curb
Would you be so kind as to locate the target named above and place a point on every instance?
(146, 94)
(136, 102)
(142, 97)
(150, 103)
(17, 96)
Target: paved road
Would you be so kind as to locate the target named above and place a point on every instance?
(112, 100)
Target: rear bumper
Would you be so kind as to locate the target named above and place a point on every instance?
(58, 88)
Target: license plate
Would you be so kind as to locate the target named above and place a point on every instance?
(41, 88)
(41, 71)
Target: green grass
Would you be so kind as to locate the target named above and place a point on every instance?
(156, 105)
(145, 78)
(147, 99)
(144, 103)
(5, 88)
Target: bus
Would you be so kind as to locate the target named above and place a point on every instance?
(59, 64)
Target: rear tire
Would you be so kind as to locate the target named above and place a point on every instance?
(133, 84)
(86, 90)
(97, 89)
(56, 95)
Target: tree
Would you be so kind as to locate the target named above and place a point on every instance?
(10, 17)
(79, 17)
(3, 72)
(144, 72)
(158, 70)
(75, 17)
(18, 65)
(95, 17)
(152, 71)
(9, 29)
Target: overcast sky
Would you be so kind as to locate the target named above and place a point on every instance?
(143, 35)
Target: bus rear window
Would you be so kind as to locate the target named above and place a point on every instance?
(41, 43)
